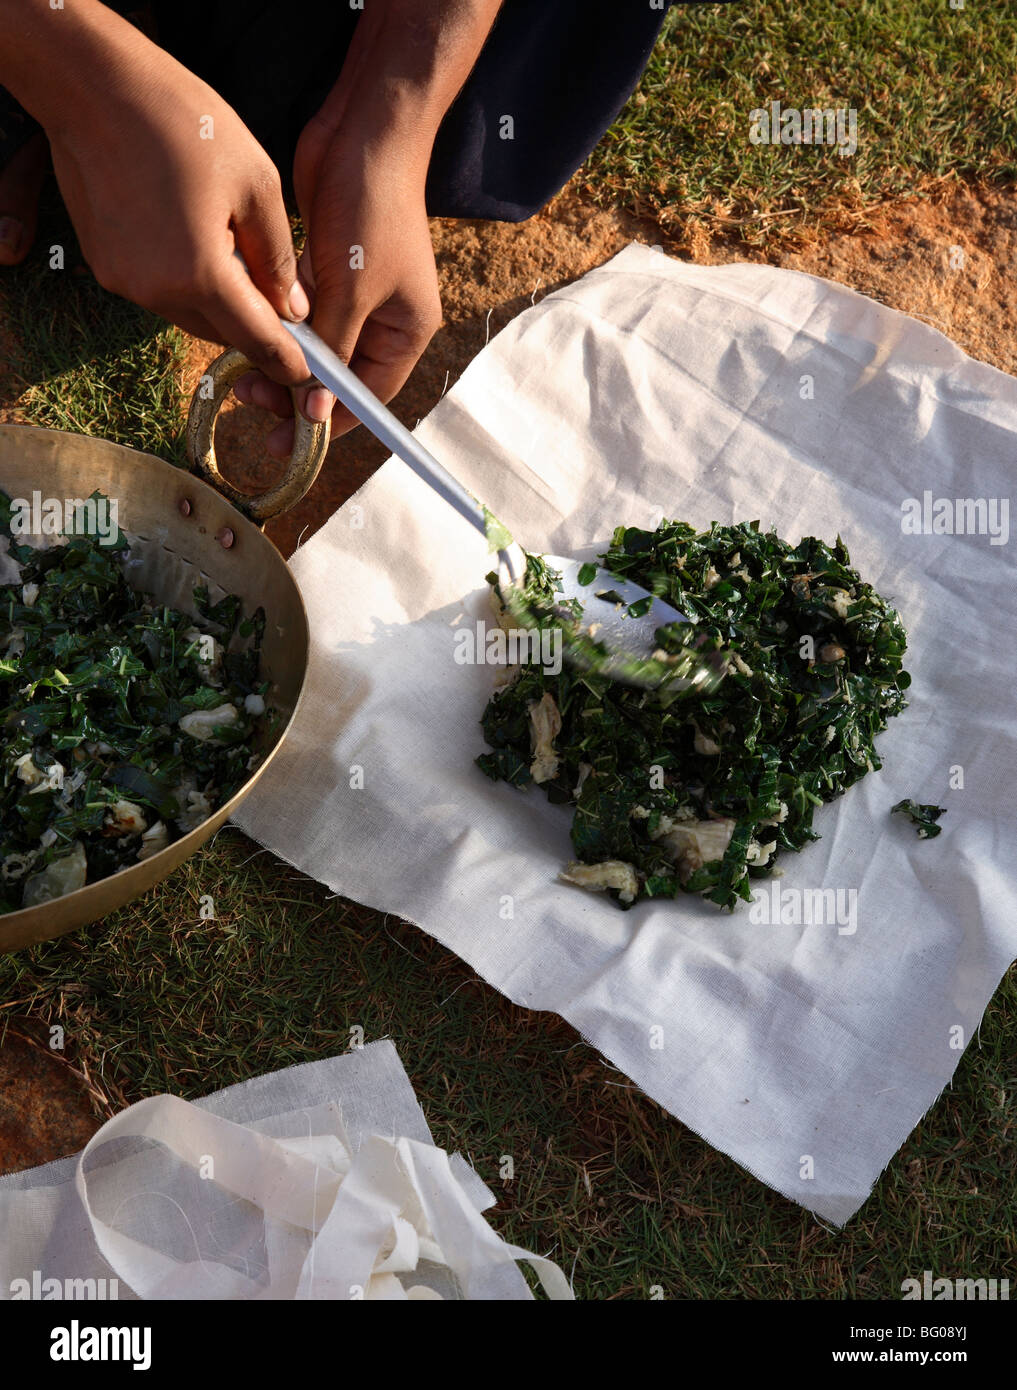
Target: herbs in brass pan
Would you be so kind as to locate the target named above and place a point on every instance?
(125, 723)
(684, 791)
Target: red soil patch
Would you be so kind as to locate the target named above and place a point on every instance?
(45, 1110)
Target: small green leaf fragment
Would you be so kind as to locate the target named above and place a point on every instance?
(498, 535)
(641, 607)
(924, 817)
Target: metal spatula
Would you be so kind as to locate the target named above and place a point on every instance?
(608, 639)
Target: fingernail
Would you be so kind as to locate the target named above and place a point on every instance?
(242, 390)
(11, 232)
(300, 305)
(319, 403)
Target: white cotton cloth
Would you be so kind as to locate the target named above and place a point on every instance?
(653, 388)
(317, 1182)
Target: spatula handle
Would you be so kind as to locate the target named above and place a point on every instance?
(347, 387)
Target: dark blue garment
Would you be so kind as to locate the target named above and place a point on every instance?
(552, 75)
(559, 71)
(551, 78)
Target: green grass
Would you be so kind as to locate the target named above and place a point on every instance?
(155, 999)
(89, 361)
(933, 88)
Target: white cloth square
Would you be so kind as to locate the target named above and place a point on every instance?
(654, 388)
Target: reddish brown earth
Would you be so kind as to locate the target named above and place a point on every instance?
(46, 1110)
(951, 261)
(902, 255)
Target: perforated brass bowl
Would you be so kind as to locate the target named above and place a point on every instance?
(182, 532)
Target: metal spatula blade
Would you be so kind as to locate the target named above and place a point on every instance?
(608, 639)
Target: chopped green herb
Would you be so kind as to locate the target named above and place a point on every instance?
(587, 573)
(641, 607)
(125, 723)
(498, 535)
(699, 793)
(923, 817)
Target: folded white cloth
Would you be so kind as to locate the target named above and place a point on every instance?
(317, 1182)
(650, 388)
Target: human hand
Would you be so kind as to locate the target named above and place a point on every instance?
(163, 182)
(368, 265)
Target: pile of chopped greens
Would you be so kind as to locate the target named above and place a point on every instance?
(692, 791)
(125, 723)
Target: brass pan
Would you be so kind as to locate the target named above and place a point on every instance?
(182, 532)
